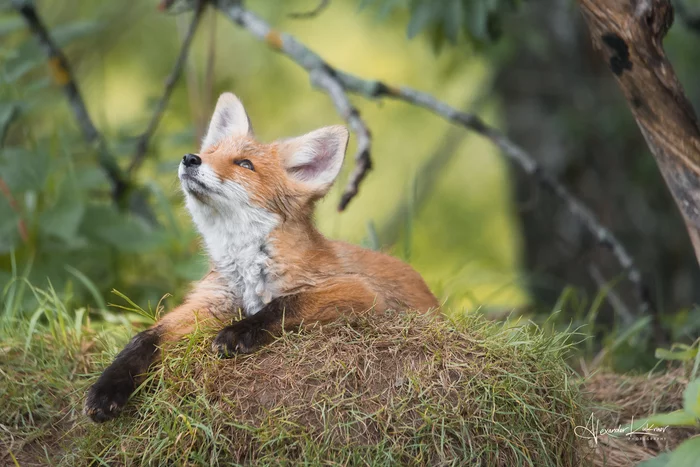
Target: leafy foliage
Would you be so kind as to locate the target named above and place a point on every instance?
(479, 21)
(56, 213)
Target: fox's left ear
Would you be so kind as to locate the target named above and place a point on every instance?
(229, 119)
(315, 158)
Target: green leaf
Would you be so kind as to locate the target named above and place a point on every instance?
(494, 27)
(437, 38)
(131, 236)
(91, 178)
(443, 20)
(452, 20)
(691, 398)
(24, 170)
(10, 25)
(17, 69)
(476, 17)
(687, 454)
(22, 60)
(683, 355)
(384, 7)
(37, 85)
(676, 418)
(127, 234)
(9, 229)
(70, 32)
(63, 218)
(8, 112)
(422, 14)
(662, 460)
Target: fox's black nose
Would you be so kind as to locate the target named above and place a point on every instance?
(191, 160)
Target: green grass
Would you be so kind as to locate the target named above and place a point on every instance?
(396, 388)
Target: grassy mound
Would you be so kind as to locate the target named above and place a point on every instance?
(397, 388)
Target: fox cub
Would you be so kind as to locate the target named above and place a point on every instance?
(253, 205)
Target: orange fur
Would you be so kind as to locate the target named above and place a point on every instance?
(329, 272)
(267, 256)
(207, 306)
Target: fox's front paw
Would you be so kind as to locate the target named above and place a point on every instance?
(107, 397)
(243, 337)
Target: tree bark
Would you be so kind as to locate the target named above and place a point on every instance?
(630, 34)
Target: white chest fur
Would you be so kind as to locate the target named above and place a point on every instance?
(246, 267)
(238, 246)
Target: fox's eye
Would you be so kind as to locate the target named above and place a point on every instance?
(245, 163)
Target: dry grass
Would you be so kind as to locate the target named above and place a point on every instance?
(397, 388)
(618, 399)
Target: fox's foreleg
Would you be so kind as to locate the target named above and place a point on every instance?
(207, 305)
(321, 304)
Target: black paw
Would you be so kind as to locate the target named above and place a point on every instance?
(242, 337)
(107, 397)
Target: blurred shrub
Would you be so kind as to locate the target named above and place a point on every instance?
(57, 218)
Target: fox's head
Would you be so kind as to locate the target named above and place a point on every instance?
(237, 180)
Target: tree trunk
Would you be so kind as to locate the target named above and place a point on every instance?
(560, 103)
(630, 34)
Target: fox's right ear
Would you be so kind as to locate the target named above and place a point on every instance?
(229, 119)
(314, 159)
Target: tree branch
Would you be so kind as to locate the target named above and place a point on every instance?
(142, 144)
(373, 89)
(63, 76)
(322, 76)
(363, 163)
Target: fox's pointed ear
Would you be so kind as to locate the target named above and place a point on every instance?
(315, 158)
(229, 119)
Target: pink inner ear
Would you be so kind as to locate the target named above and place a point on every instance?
(315, 159)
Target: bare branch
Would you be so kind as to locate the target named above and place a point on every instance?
(322, 5)
(142, 144)
(372, 89)
(363, 163)
(63, 76)
(322, 75)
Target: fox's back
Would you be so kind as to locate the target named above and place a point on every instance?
(395, 281)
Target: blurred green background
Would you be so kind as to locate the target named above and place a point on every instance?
(485, 237)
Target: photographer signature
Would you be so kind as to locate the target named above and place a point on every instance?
(592, 430)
